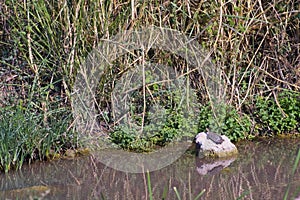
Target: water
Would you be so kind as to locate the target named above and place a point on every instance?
(262, 170)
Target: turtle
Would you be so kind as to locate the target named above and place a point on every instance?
(216, 138)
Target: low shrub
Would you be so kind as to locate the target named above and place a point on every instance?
(175, 126)
(279, 114)
(226, 120)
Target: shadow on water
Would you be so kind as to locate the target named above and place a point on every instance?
(264, 169)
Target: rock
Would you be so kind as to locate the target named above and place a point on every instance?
(70, 153)
(206, 147)
(38, 191)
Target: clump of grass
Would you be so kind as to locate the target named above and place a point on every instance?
(24, 137)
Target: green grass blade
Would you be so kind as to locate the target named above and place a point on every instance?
(149, 186)
(292, 175)
(177, 193)
(164, 196)
(200, 194)
(296, 162)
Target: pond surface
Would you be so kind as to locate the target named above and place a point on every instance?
(262, 170)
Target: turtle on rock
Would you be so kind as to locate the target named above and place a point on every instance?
(215, 137)
(211, 144)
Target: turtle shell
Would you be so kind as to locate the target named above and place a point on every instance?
(216, 138)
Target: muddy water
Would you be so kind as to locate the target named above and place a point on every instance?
(263, 170)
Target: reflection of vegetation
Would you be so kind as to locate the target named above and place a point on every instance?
(164, 195)
(254, 169)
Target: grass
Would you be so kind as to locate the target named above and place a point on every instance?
(164, 196)
(295, 166)
(25, 137)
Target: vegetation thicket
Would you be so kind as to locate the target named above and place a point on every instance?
(254, 44)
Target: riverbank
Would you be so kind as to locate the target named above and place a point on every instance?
(254, 47)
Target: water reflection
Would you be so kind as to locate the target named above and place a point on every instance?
(213, 166)
(263, 170)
